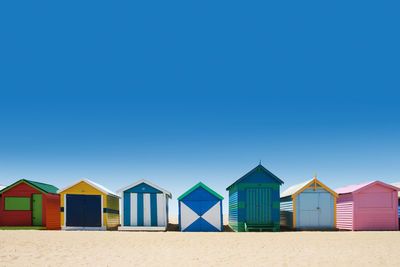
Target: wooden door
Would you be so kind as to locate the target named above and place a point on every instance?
(36, 209)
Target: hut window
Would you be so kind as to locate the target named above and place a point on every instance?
(17, 203)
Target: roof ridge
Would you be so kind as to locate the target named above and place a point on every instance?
(205, 187)
(252, 170)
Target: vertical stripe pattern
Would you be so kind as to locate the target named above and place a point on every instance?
(127, 209)
(258, 205)
(161, 209)
(133, 209)
(153, 209)
(140, 209)
(146, 210)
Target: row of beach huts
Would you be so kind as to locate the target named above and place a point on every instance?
(255, 204)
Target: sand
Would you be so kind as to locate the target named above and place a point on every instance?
(86, 248)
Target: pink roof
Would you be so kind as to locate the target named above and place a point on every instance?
(356, 187)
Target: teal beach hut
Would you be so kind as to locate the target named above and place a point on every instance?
(254, 201)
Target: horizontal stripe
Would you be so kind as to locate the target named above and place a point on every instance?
(105, 210)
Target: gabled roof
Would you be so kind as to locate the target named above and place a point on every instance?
(252, 171)
(357, 187)
(148, 183)
(296, 189)
(200, 184)
(95, 185)
(397, 185)
(42, 187)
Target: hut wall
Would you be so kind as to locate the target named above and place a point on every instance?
(345, 212)
(376, 209)
(112, 212)
(399, 211)
(52, 213)
(145, 206)
(18, 217)
(286, 212)
(234, 209)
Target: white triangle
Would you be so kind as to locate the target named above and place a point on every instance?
(213, 216)
(188, 216)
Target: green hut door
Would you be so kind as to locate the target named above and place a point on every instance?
(259, 205)
(36, 209)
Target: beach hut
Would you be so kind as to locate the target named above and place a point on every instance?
(368, 206)
(200, 210)
(254, 201)
(308, 205)
(144, 207)
(30, 205)
(86, 205)
(398, 185)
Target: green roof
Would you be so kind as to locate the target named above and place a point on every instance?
(200, 184)
(45, 188)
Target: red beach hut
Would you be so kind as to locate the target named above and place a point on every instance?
(368, 206)
(30, 205)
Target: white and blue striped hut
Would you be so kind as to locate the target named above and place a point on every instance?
(144, 207)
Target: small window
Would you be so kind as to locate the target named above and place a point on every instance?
(17, 203)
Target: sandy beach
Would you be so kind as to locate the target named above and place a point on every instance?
(85, 248)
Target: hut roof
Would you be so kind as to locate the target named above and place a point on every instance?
(42, 187)
(259, 166)
(148, 183)
(200, 184)
(2, 186)
(397, 185)
(295, 189)
(95, 185)
(357, 187)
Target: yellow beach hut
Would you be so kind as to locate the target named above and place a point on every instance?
(86, 205)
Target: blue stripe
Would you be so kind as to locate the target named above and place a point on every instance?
(179, 212)
(140, 209)
(127, 209)
(62, 209)
(106, 210)
(153, 209)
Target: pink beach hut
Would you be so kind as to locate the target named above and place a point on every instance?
(368, 206)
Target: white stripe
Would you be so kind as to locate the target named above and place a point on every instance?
(133, 209)
(161, 210)
(146, 210)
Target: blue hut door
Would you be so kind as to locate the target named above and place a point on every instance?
(326, 210)
(308, 210)
(314, 210)
(259, 205)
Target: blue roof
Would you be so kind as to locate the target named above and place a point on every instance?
(259, 167)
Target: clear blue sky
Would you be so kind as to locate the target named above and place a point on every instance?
(178, 92)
